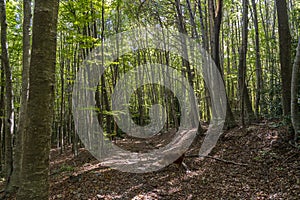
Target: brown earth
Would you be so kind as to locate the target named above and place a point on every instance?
(253, 163)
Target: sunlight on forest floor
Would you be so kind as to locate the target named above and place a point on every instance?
(272, 172)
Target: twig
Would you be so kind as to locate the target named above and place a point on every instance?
(296, 146)
(226, 161)
(289, 157)
(219, 159)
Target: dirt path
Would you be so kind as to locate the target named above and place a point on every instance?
(272, 171)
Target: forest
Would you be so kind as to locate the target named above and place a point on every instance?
(149, 99)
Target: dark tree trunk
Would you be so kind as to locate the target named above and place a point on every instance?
(215, 13)
(244, 95)
(182, 29)
(9, 113)
(259, 85)
(285, 55)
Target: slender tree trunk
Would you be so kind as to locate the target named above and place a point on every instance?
(295, 110)
(182, 29)
(74, 134)
(285, 55)
(244, 95)
(202, 26)
(258, 61)
(192, 20)
(62, 100)
(242, 62)
(2, 121)
(215, 13)
(104, 91)
(15, 179)
(36, 148)
(9, 118)
(205, 44)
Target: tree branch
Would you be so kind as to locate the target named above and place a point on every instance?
(219, 159)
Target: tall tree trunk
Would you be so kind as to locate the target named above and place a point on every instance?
(244, 95)
(9, 114)
(74, 134)
(295, 110)
(182, 29)
(202, 26)
(62, 100)
(205, 45)
(285, 55)
(15, 179)
(36, 147)
(2, 121)
(104, 92)
(259, 84)
(215, 13)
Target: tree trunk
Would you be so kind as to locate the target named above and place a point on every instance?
(9, 118)
(2, 121)
(182, 29)
(205, 46)
(202, 26)
(285, 55)
(244, 95)
(36, 147)
(295, 112)
(15, 179)
(62, 102)
(215, 13)
(258, 61)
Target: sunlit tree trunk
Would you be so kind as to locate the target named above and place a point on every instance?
(61, 133)
(15, 179)
(38, 128)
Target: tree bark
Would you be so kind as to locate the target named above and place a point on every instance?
(244, 95)
(36, 148)
(2, 121)
(61, 133)
(182, 29)
(259, 84)
(215, 13)
(295, 112)
(9, 113)
(285, 55)
(15, 179)
(202, 26)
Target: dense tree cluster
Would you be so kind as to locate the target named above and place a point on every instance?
(44, 42)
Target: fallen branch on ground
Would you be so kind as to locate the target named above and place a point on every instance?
(219, 159)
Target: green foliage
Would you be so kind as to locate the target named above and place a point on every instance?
(66, 168)
(108, 136)
(80, 30)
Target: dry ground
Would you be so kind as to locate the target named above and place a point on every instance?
(272, 171)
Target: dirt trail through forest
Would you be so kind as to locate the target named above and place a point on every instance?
(270, 170)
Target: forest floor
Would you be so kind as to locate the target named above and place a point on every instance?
(262, 165)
